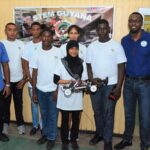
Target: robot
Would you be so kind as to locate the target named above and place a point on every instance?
(87, 86)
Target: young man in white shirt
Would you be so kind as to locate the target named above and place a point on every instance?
(30, 49)
(14, 50)
(43, 64)
(105, 58)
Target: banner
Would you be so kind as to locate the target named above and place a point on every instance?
(146, 16)
(59, 19)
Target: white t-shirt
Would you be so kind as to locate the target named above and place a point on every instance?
(28, 53)
(82, 51)
(104, 59)
(45, 62)
(75, 100)
(14, 50)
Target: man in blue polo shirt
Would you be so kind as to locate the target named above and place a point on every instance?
(4, 87)
(137, 82)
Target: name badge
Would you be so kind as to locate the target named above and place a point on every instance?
(143, 43)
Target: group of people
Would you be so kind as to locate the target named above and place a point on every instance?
(48, 69)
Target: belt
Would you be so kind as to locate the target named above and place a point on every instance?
(139, 78)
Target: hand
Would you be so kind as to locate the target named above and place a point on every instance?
(6, 91)
(21, 84)
(34, 97)
(116, 92)
(95, 81)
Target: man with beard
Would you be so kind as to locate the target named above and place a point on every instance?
(137, 82)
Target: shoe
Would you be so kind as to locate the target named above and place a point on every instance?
(5, 128)
(65, 146)
(21, 129)
(108, 146)
(75, 145)
(122, 144)
(50, 144)
(4, 137)
(42, 140)
(33, 131)
(95, 139)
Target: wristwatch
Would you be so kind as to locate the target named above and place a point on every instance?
(7, 85)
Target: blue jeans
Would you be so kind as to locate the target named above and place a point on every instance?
(104, 109)
(134, 91)
(49, 114)
(35, 111)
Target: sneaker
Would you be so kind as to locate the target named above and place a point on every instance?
(108, 146)
(122, 144)
(33, 131)
(4, 137)
(21, 129)
(50, 144)
(95, 139)
(5, 128)
(75, 145)
(42, 140)
(65, 146)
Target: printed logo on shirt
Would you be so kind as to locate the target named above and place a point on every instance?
(19, 48)
(56, 57)
(112, 50)
(143, 43)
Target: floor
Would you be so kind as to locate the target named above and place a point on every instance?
(83, 139)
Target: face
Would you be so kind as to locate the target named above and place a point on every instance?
(103, 30)
(47, 38)
(73, 34)
(134, 23)
(35, 31)
(73, 51)
(28, 20)
(11, 32)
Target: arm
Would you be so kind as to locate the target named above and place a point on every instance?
(27, 71)
(34, 81)
(21, 83)
(6, 71)
(121, 71)
(57, 80)
(89, 70)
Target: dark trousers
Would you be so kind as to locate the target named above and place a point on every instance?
(75, 116)
(137, 91)
(18, 104)
(1, 111)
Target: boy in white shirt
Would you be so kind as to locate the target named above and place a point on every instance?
(14, 49)
(105, 58)
(30, 49)
(43, 64)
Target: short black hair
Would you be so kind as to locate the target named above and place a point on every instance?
(47, 30)
(74, 26)
(103, 21)
(35, 24)
(10, 23)
(137, 13)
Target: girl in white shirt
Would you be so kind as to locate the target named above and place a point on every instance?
(74, 34)
(74, 103)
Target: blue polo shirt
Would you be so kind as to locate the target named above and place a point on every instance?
(138, 55)
(3, 58)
